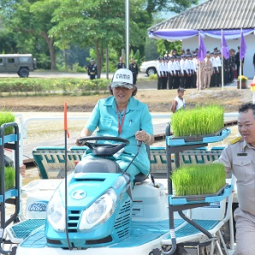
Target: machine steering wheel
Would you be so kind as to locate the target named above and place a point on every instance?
(104, 149)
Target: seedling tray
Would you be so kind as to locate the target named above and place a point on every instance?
(198, 139)
(208, 198)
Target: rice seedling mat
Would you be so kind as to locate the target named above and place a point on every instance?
(201, 197)
(7, 117)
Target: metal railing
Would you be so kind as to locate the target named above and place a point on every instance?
(23, 125)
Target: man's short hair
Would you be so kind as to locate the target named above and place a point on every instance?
(246, 107)
(180, 89)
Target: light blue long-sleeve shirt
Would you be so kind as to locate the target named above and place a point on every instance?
(137, 117)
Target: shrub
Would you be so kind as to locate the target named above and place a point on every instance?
(199, 179)
(198, 121)
(153, 77)
(40, 86)
(78, 69)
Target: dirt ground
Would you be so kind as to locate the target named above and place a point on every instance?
(157, 100)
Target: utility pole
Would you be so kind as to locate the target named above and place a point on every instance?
(127, 30)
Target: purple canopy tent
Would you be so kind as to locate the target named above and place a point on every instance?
(182, 34)
(173, 34)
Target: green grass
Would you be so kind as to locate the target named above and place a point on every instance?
(198, 179)
(6, 117)
(198, 121)
(153, 77)
(9, 175)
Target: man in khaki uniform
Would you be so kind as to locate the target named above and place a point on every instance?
(239, 158)
(200, 82)
(208, 71)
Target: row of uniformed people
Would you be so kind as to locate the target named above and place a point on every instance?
(184, 72)
(177, 72)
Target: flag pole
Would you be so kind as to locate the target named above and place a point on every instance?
(66, 135)
(127, 21)
(240, 65)
(222, 64)
(201, 57)
(199, 67)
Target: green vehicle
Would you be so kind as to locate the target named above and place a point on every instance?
(21, 64)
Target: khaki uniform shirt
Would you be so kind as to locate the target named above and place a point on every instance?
(239, 159)
(208, 66)
(202, 65)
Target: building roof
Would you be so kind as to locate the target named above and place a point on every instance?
(213, 14)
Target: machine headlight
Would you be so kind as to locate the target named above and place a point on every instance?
(56, 212)
(99, 212)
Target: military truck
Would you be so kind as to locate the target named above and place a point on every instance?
(21, 64)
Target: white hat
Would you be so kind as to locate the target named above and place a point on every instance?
(122, 78)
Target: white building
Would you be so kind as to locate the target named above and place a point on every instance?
(213, 16)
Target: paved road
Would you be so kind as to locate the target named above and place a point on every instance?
(50, 74)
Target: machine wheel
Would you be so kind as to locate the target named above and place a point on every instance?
(151, 70)
(23, 72)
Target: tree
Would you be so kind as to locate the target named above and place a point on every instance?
(37, 24)
(7, 43)
(96, 23)
(31, 18)
(150, 49)
(154, 8)
(164, 45)
(41, 19)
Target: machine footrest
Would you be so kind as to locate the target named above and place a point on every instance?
(18, 232)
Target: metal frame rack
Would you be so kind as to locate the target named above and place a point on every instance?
(11, 196)
(175, 146)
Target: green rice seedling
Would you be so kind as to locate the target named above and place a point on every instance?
(7, 117)
(199, 179)
(198, 121)
(9, 176)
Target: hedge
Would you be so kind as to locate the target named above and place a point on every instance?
(42, 86)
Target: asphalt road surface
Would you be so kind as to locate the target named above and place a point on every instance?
(51, 74)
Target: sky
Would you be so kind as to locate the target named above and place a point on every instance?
(168, 15)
